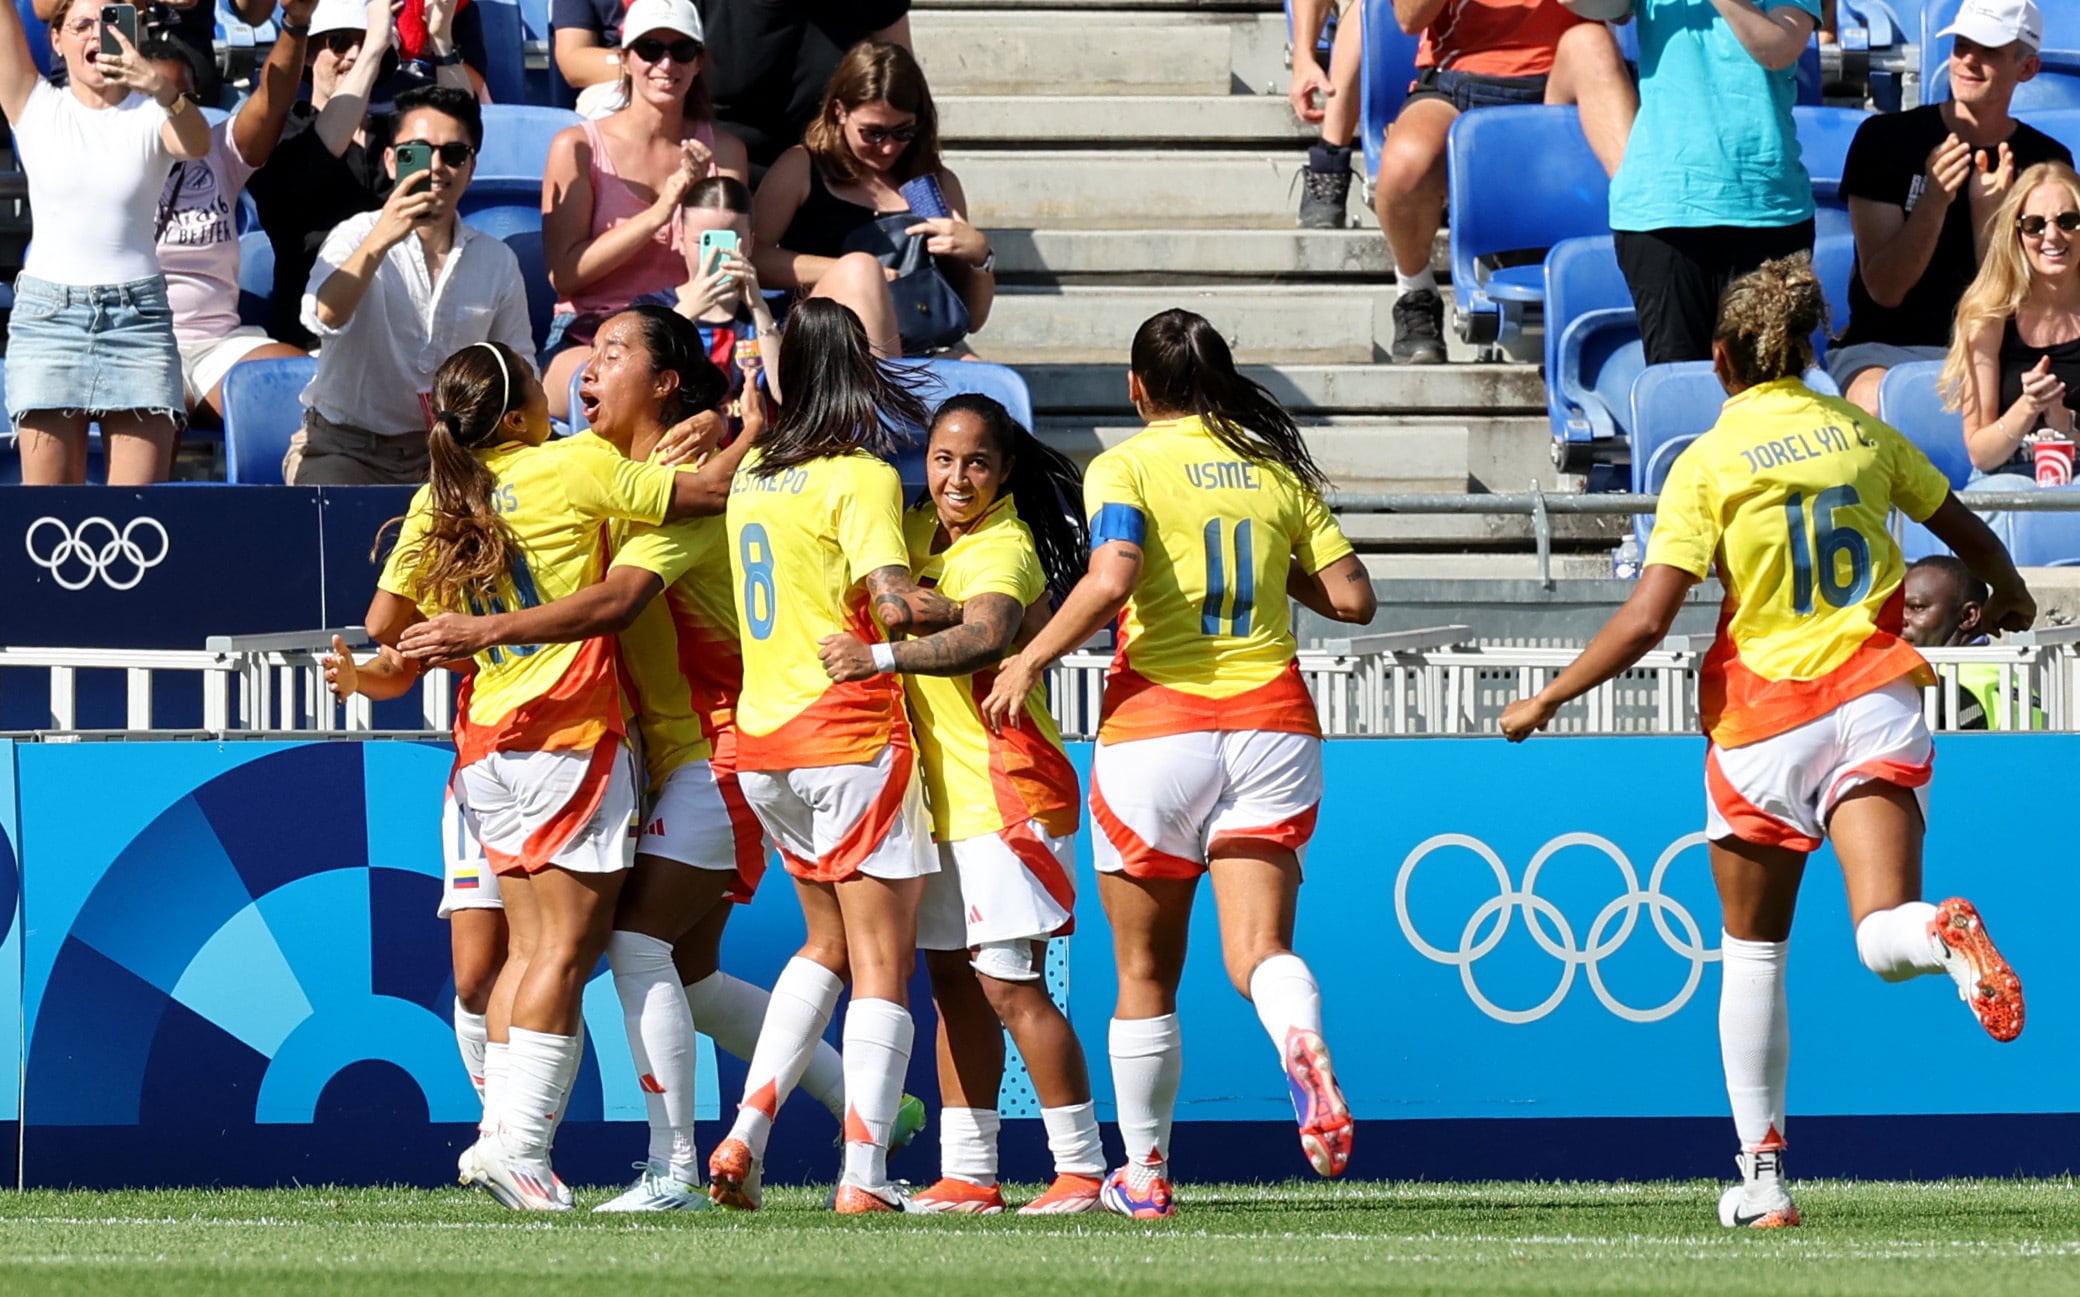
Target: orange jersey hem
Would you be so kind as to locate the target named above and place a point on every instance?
(847, 725)
(1138, 708)
(579, 712)
(1739, 707)
(1031, 777)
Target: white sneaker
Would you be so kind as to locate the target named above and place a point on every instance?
(656, 1189)
(1760, 1200)
(518, 1183)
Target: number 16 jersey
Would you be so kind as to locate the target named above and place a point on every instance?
(1206, 641)
(1789, 492)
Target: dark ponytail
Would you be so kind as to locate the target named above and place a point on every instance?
(846, 399)
(1185, 367)
(1044, 484)
(468, 550)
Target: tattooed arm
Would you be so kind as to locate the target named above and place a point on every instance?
(901, 605)
(1341, 591)
(989, 623)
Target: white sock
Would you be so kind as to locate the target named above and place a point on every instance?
(1147, 1064)
(542, 1069)
(1287, 999)
(1424, 280)
(800, 1008)
(1895, 943)
(878, 1035)
(1072, 1136)
(497, 1068)
(1754, 1036)
(731, 1010)
(968, 1144)
(660, 1039)
(471, 1034)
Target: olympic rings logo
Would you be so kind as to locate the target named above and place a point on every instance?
(76, 558)
(1611, 928)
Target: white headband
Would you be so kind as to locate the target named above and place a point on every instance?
(505, 376)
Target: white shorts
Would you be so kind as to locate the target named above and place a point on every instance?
(1780, 791)
(468, 881)
(1018, 884)
(535, 810)
(1161, 806)
(833, 822)
(700, 818)
(204, 363)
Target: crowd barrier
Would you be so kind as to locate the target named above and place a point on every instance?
(232, 973)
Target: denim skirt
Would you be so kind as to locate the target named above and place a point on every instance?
(94, 348)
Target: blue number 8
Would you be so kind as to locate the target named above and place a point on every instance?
(757, 557)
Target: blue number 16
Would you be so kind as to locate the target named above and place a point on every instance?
(1217, 582)
(757, 557)
(1830, 543)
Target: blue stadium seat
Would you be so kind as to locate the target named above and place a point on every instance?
(2048, 538)
(1388, 68)
(2056, 86)
(1834, 260)
(1823, 144)
(944, 378)
(519, 227)
(39, 34)
(1672, 406)
(516, 143)
(576, 419)
(1592, 350)
(262, 410)
(255, 279)
(505, 50)
(1520, 179)
(1910, 401)
(2061, 124)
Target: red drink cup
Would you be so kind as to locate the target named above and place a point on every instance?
(2054, 455)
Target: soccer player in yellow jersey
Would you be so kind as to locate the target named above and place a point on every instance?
(1209, 748)
(1809, 696)
(541, 776)
(994, 536)
(816, 546)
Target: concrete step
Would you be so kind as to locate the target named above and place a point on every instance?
(1475, 391)
(1358, 454)
(1075, 51)
(1217, 189)
(1120, 119)
(1127, 255)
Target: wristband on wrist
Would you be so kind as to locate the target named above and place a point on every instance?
(884, 657)
(448, 60)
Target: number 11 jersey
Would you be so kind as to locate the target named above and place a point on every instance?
(1206, 641)
(1789, 492)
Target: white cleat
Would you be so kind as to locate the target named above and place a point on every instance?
(655, 1189)
(1760, 1200)
(517, 1183)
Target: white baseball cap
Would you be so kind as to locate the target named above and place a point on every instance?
(646, 16)
(1994, 23)
(339, 16)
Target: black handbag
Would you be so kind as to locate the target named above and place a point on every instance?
(930, 315)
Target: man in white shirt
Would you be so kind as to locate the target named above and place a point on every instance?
(393, 294)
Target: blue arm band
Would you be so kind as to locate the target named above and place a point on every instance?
(1119, 522)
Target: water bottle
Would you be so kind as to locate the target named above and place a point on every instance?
(1625, 558)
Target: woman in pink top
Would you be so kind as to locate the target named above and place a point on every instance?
(611, 192)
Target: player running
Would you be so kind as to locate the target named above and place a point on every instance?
(1209, 748)
(816, 546)
(541, 776)
(994, 536)
(1809, 696)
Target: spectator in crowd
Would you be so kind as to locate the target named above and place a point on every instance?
(395, 292)
(1481, 54)
(191, 23)
(329, 165)
(91, 334)
(1711, 186)
(722, 295)
(436, 34)
(1922, 187)
(876, 133)
(613, 188)
(198, 214)
(1326, 184)
(1944, 608)
(2014, 362)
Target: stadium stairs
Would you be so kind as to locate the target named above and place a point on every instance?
(1127, 157)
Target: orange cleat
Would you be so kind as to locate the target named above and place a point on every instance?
(853, 1200)
(955, 1197)
(1068, 1195)
(1985, 981)
(733, 1179)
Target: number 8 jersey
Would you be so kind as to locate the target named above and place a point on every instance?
(1789, 492)
(1206, 641)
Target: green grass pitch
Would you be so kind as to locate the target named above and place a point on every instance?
(1960, 1239)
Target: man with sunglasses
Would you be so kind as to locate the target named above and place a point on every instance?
(394, 293)
(1922, 186)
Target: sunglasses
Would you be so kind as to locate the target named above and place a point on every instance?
(454, 152)
(876, 136)
(2033, 227)
(340, 42)
(652, 50)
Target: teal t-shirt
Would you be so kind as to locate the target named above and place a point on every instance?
(1714, 143)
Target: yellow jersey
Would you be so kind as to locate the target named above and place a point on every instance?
(980, 782)
(557, 500)
(801, 544)
(1788, 494)
(1206, 641)
(680, 665)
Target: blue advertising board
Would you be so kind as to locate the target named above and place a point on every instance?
(233, 973)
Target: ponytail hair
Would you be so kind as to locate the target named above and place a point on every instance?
(468, 550)
(1185, 367)
(1767, 319)
(1044, 484)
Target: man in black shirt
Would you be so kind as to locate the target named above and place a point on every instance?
(1922, 185)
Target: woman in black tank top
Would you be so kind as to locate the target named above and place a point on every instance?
(876, 132)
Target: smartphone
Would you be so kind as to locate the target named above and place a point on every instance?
(412, 158)
(124, 19)
(717, 243)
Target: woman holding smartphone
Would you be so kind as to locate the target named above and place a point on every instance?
(91, 336)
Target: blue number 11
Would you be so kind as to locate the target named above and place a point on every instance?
(1217, 583)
